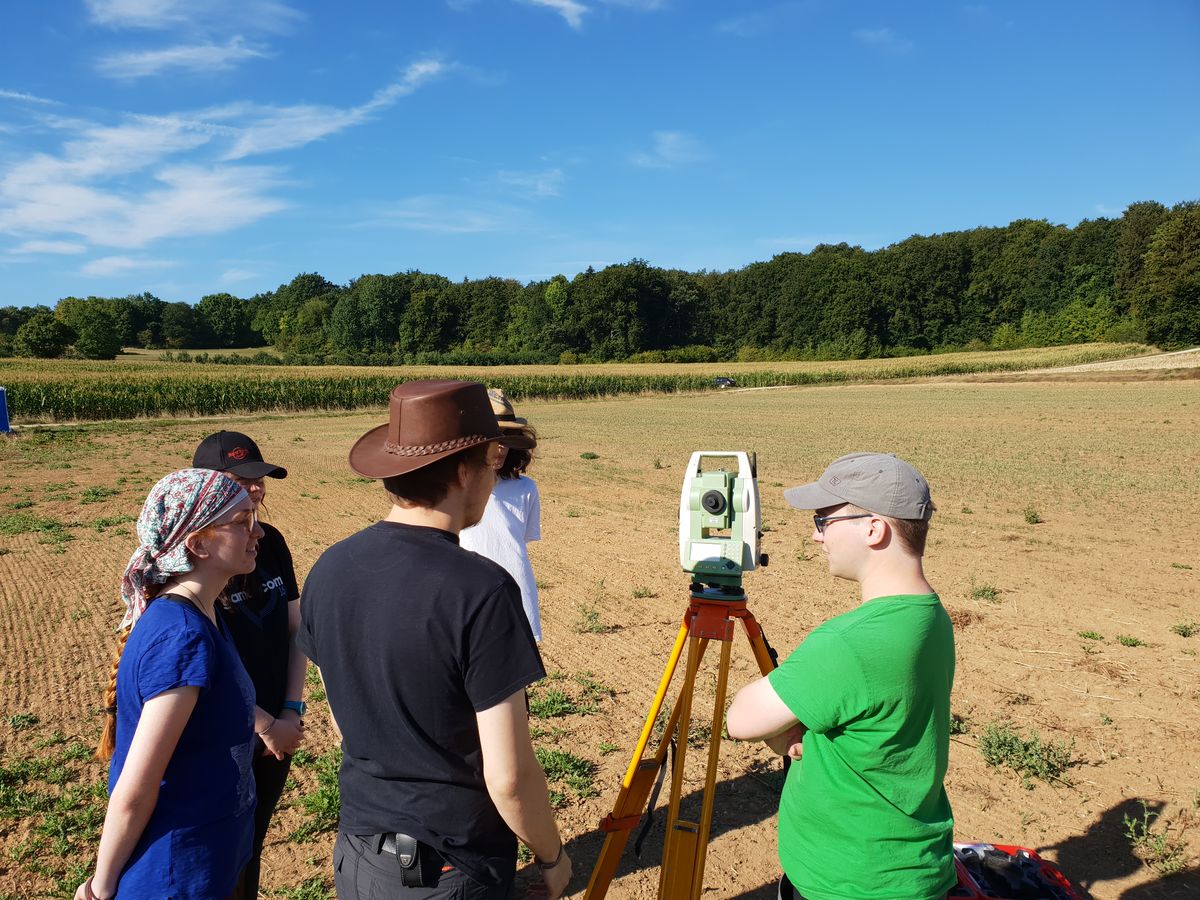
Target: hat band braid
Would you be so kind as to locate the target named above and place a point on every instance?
(426, 449)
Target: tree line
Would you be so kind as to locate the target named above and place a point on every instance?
(1030, 283)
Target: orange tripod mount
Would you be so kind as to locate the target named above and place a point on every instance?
(710, 617)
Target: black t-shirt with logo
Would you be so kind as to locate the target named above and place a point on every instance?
(414, 636)
(257, 617)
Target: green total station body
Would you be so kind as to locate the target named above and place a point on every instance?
(719, 519)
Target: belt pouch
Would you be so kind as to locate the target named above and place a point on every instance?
(420, 864)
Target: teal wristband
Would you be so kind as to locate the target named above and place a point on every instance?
(297, 706)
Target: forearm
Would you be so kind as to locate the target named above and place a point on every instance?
(524, 805)
(262, 720)
(780, 742)
(297, 667)
(124, 822)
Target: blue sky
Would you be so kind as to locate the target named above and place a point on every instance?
(187, 147)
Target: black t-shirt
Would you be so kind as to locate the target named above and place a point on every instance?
(257, 618)
(414, 636)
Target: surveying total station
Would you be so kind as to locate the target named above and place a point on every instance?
(719, 532)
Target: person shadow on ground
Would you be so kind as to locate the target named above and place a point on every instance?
(1104, 853)
(746, 800)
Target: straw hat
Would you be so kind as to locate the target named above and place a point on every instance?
(506, 418)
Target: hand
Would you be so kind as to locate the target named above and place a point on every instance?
(284, 735)
(554, 881)
(87, 891)
(789, 743)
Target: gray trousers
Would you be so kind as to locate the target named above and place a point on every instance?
(364, 871)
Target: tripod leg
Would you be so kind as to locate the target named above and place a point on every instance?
(682, 838)
(638, 781)
(710, 778)
(763, 654)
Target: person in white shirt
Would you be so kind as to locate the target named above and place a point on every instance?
(513, 516)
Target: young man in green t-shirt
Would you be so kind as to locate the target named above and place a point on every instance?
(863, 705)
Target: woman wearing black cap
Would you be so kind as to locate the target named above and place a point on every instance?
(262, 611)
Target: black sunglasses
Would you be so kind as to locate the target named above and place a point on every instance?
(822, 521)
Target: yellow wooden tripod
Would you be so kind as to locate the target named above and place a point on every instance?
(710, 617)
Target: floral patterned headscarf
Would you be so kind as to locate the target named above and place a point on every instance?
(180, 504)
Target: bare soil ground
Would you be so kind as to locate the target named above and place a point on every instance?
(1111, 470)
(1178, 359)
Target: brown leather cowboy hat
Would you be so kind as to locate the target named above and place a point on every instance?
(427, 421)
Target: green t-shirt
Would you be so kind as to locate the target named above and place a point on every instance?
(864, 815)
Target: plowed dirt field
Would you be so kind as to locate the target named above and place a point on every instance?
(1064, 509)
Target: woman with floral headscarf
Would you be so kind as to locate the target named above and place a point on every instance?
(180, 707)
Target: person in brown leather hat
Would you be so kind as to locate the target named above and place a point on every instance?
(425, 653)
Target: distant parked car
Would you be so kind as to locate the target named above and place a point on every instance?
(722, 382)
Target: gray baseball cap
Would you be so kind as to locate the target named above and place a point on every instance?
(877, 482)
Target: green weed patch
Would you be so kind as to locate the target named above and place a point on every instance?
(325, 803)
(1003, 747)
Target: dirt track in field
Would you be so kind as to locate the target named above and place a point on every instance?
(1111, 469)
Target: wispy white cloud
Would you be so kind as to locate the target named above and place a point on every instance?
(58, 247)
(762, 21)
(638, 5)
(185, 200)
(25, 98)
(442, 215)
(547, 183)
(571, 10)
(116, 186)
(118, 265)
(884, 39)
(138, 13)
(671, 148)
(210, 16)
(143, 179)
(749, 25)
(1109, 211)
(102, 151)
(281, 128)
(985, 16)
(233, 276)
(201, 58)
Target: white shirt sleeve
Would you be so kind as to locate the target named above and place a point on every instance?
(533, 520)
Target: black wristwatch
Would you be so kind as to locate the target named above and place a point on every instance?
(297, 706)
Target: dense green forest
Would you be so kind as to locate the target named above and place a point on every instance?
(1030, 283)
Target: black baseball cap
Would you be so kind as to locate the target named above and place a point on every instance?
(233, 452)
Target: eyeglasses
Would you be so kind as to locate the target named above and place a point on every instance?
(247, 520)
(822, 521)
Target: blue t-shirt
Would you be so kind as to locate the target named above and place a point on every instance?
(199, 837)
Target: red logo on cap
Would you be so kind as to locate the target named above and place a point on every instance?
(238, 453)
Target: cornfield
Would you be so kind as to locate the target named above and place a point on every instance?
(65, 390)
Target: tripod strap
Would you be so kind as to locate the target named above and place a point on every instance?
(787, 760)
(662, 773)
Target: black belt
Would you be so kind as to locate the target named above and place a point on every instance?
(420, 864)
